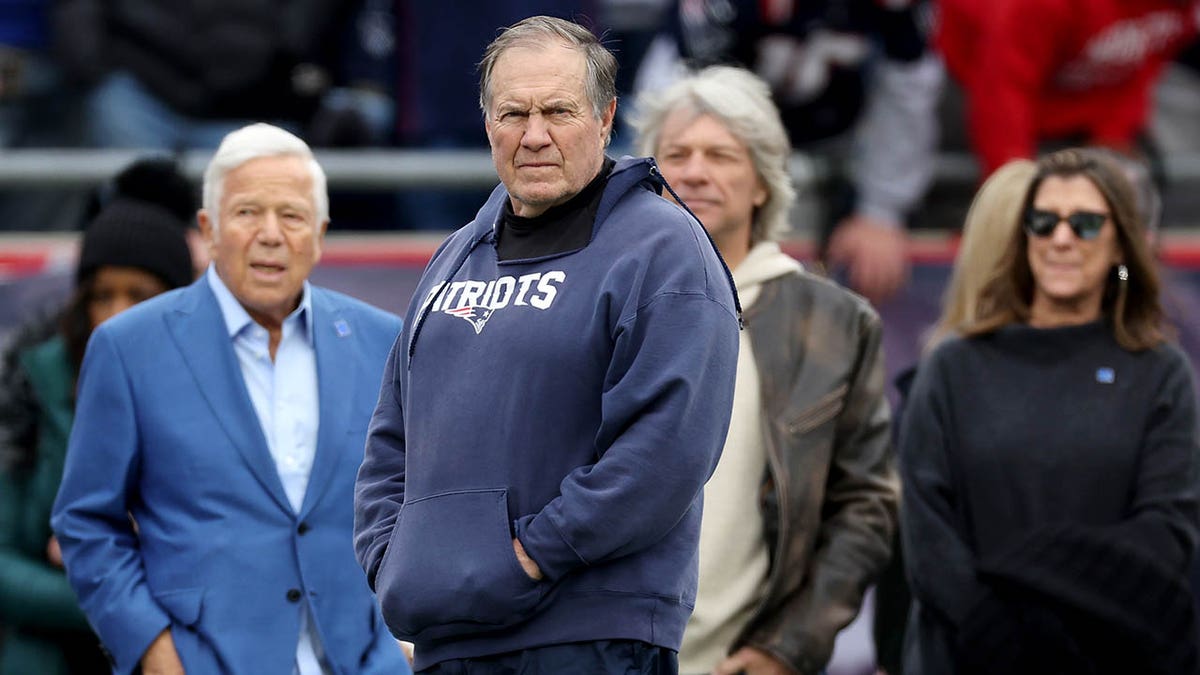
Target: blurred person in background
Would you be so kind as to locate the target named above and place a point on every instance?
(1041, 74)
(1175, 116)
(993, 217)
(131, 251)
(157, 179)
(1049, 454)
(799, 515)
(166, 74)
(629, 28)
(206, 506)
(856, 84)
(359, 108)
(991, 222)
(152, 179)
(39, 108)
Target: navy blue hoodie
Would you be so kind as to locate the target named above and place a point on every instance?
(578, 402)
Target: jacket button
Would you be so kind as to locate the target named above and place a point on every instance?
(293, 595)
(302, 528)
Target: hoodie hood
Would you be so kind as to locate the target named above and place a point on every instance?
(764, 262)
(626, 173)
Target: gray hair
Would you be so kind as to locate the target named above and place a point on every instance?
(251, 142)
(600, 85)
(741, 101)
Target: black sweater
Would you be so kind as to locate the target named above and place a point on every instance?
(1030, 427)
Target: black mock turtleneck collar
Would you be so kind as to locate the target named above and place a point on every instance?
(562, 228)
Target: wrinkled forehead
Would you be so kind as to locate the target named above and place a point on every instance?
(282, 177)
(553, 68)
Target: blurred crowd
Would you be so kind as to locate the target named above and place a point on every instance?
(862, 85)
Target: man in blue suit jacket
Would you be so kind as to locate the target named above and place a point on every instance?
(206, 507)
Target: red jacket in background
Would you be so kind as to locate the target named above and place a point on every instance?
(1036, 70)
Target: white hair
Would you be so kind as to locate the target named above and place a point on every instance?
(741, 101)
(251, 142)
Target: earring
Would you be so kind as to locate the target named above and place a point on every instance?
(1123, 273)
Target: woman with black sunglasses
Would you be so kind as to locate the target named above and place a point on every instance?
(1049, 456)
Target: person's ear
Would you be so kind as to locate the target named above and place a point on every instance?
(319, 241)
(760, 194)
(606, 121)
(207, 230)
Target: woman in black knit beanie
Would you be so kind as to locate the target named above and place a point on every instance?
(131, 251)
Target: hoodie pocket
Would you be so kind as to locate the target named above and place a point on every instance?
(451, 568)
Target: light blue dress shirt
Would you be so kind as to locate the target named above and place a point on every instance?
(284, 394)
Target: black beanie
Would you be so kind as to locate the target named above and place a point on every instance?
(131, 233)
(158, 180)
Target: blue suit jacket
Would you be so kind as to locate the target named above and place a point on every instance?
(165, 433)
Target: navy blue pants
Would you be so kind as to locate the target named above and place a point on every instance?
(602, 657)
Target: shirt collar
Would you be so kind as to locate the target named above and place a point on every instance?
(237, 318)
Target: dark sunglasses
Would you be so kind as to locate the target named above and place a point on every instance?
(1085, 224)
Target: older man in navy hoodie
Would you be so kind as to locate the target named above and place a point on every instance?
(530, 496)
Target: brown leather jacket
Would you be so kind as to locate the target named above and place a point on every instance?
(830, 495)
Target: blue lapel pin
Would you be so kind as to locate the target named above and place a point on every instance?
(342, 328)
(1106, 375)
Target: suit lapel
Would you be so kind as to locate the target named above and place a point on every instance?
(199, 331)
(333, 339)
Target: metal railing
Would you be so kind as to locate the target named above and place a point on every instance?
(362, 169)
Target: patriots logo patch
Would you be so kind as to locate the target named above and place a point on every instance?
(476, 301)
(475, 315)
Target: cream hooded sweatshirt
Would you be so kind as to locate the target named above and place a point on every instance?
(733, 553)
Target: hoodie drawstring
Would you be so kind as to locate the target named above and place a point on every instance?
(462, 259)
